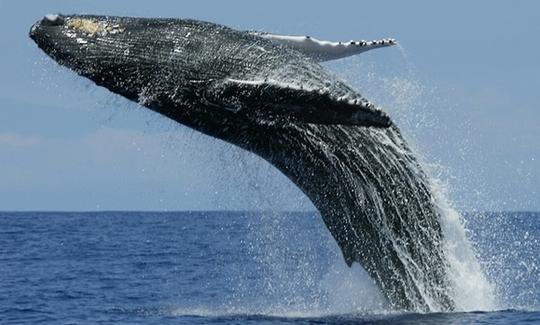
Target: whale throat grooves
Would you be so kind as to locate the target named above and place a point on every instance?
(274, 100)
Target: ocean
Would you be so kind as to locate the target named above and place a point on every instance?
(230, 267)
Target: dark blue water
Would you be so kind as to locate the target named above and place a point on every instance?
(223, 267)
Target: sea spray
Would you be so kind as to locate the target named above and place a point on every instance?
(300, 271)
(294, 285)
(409, 100)
(471, 289)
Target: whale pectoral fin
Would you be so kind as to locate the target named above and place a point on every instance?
(263, 99)
(326, 50)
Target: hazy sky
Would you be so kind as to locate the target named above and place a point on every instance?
(464, 87)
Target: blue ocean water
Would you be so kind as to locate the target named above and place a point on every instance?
(228, 267)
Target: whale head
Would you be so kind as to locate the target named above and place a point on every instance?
(200, 73)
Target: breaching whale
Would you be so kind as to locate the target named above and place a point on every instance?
(269, 95)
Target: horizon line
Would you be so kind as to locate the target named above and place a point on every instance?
(229, 210)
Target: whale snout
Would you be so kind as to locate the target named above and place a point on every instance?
(50, 20)
(58, 36)
(43, 28)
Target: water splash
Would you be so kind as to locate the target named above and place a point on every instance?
(410, 100)
(470, 288)
(292, 281)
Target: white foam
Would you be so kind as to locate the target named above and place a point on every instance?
(471, 289)
(351, 290)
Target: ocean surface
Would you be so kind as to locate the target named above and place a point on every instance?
(229, 267)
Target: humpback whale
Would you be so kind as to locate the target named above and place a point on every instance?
(269, 95)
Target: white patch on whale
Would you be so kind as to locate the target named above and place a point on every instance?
(326, 50)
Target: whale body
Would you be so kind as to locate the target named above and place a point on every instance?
(269, 95)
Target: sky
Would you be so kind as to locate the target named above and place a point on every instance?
(463, 86)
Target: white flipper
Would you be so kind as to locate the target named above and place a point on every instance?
(325, 50)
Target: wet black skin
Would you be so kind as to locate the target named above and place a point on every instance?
(346, 157)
